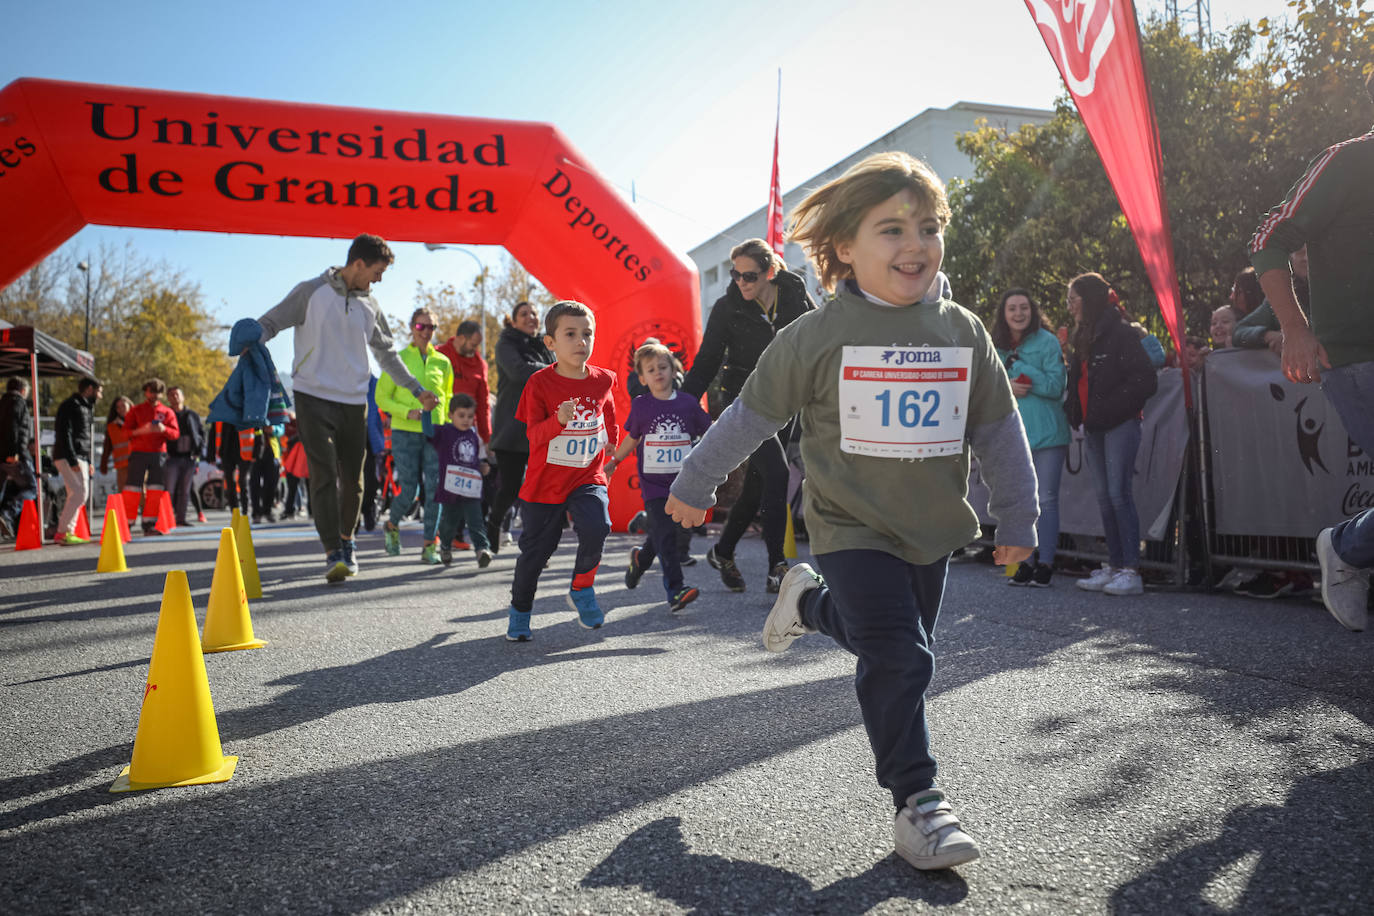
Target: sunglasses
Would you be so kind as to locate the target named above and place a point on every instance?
(421, 326)
(749, 276)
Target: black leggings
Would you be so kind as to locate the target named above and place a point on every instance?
(510, 467)
(765, 490)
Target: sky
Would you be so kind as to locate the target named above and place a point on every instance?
(675, 99)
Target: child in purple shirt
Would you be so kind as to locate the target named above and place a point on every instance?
(462, 465)
(661, 428)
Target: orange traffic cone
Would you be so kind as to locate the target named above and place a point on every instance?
(133, 499)
(115, 502)
(228, 624)
(83, 527)
(166, 521)
(111, 544)
(30, 536)
(248, 558)
(177, 743)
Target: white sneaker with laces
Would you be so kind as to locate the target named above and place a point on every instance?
(928, 835)
(1345, 589)
(1098, 580)
(784, 623)
(1125, 582)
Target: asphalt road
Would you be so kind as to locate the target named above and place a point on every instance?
(1170, 753)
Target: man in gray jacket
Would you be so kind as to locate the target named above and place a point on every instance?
(337, 321)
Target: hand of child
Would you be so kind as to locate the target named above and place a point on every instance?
(428, 400)
(414, 414)
(611, 464)
(1003, 554)
(685, 515)
(566, 411)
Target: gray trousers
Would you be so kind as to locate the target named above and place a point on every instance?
(334, 437)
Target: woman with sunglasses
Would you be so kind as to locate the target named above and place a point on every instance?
(409, 448)
(520, 352)
(763, 298)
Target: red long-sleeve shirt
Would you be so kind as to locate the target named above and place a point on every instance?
(563, 458)
(146, 412)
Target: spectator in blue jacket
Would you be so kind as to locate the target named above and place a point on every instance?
(1029, 349)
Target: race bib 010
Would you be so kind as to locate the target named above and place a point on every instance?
(579, 444)
(904, 402)
(665, 452)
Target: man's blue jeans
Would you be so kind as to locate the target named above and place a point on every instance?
(1350, 389)
(414, 456)
(1110, 456)
(883, 610)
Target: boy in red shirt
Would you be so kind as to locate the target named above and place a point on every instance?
(151, 426)
(569, 413)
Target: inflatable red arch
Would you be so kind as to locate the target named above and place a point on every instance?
(76, 153)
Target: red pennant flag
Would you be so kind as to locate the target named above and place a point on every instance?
(774, 237)
(1096, 45)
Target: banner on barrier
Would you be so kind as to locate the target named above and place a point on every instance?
(1158, 464)
(1282, 463)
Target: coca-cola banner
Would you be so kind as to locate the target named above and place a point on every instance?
(1158, 465)
(1096, 45)
(1282, 463)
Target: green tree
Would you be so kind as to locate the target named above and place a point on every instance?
(1238, 121)
(146, 320)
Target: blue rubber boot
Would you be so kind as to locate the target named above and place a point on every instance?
(518, 629)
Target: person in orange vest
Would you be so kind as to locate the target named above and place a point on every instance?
(151, 424)
(117, 447)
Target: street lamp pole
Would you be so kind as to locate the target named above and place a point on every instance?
(481, 281)
(85, 268)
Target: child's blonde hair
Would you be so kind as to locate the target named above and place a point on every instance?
(652, 348)
(831, 214)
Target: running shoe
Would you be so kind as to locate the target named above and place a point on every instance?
(1345, 589)
(1125, 582)
(1042, 575)
(1024, 575)
(518, 626)
(446, 555)
(335, 569)
(349, 559)
(589, 615)
(687, 560)
(461, 544)
(1267, 585)
(1098, 580)
(484, 559)
(775, 576)
(784, 622)
(684, 597)
(634, 573)
(71, 540)
(392, 534)
(928, 835)
(729, 572)
(429, 555)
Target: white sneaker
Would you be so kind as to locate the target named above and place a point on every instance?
(784, 623)
(1125, 582)
(1345, 589)
(927, 833)
(1099, 578)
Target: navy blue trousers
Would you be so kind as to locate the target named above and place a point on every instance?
(883, 610)
(543, 529)
(663, 543)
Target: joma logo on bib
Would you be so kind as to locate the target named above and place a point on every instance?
(1079, 33)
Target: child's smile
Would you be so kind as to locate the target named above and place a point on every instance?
(896, 251)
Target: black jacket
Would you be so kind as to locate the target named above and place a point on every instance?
(1120, 377)
(16, 426)
(72, 431)
(737, 333)
(518, 356)
(191, 442)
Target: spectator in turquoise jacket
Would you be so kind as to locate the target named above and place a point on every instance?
(1034, 361)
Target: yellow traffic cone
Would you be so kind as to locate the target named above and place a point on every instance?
(177, 743)
(111, 544)
(789, 540)
(227, 622)
(248, 559)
